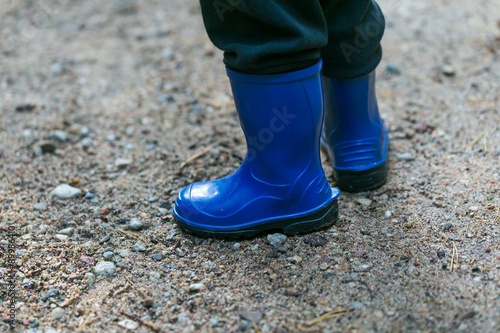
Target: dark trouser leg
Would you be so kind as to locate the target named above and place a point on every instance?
(266, 36)
(273, 36)
(355, 28)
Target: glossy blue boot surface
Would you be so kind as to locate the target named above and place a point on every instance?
(281, 184)
(354, 135)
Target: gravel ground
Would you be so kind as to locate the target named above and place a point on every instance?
(127, 101)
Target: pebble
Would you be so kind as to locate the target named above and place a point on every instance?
(87, 143)
(149, 302)
(473, 208)
(236, 245)
(124, 253)
(59, 135)
(276, 240)
(111, 137)
(108, 255)
(152, 199)
(40, 206)
(65, 192)
(359, 254)
(295, 259)
(213, 321)
(122, 163)
(448, 70)
(84, 132)
(90, 279)
(157, 257)
(388, 214)
(392, 69)
(67, 231)
(252, 316)
(315, 240)
(60, 237)
(50, 293)
(105, 268)
(56, 68)
(357, 305)
(105, 239)
(27, 133)
(324, 266)
(128, 324)
(47, 147)
(165, 98)
(57, 313)
(139, 247)
(282, 249)
(446, 226)
(405, 157)
(89, 195)
(195, 287)
(364, 201)
(135, 224)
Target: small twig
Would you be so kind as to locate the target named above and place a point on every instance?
(132, 235)
(476, 140)
(122, 290)
(497, 215)
(142, 322)
(126, 278)
(454, 257)
(256, 328)
(308, 330)
(197, 155)
(69, 301)
(328, 315)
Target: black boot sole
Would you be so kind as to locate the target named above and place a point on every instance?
(323, 218)
(350, 181)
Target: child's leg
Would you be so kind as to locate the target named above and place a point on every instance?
(353, 133)
(266, 36)
(355, 29)
(272, 50)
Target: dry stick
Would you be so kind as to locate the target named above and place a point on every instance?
(452, 256)
(476, 140)
(69, 301)
(308, 330)
(328, 315)
(197, 155)
(132, 235)
(497, 215)
(126, 278)
(121, 290)
(143, 322)
(256, 328)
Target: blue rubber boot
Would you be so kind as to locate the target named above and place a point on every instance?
(354, 136)
(280, 185)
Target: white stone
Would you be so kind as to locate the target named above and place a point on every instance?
(128, 324)
(364, 201)
(60, 237)
(122, 163)
(196, 287)
(65, 192)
